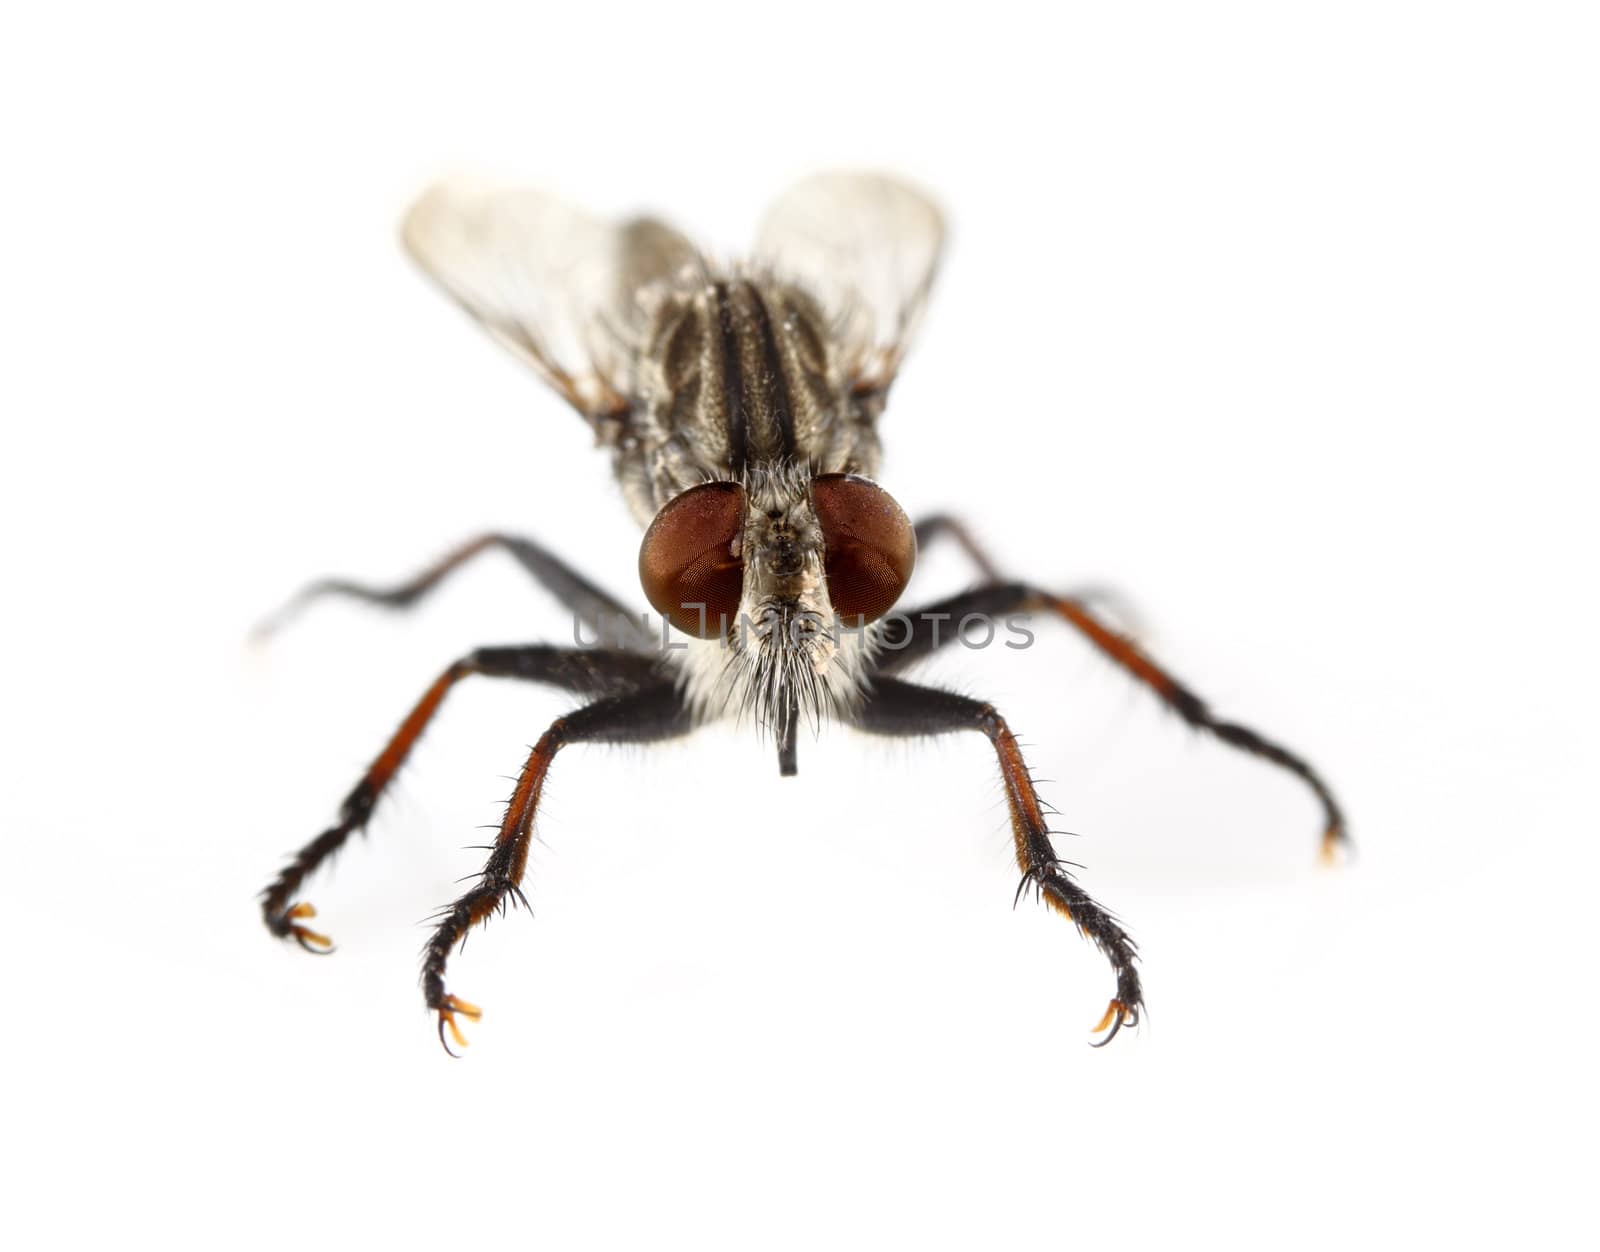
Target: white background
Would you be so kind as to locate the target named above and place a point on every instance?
(1281, 319)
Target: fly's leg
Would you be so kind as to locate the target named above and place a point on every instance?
(940, 526)
(643, 716)
(587, 672)
(932, 627)
(894, 707)
(596, 609)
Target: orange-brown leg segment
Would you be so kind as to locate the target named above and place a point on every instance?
(906, 644)
(643, 716)
(1195, 711)
(596, 609)
(589, 672)
(893, 707)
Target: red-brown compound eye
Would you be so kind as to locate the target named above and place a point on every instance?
(870, 546)
(690, 563)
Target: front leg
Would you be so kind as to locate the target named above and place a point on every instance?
(894, 707)
(644, 716)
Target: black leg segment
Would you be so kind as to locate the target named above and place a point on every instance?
(589, 672)
(653, 713)
(596, 609)
(916, 633)
(894, 707)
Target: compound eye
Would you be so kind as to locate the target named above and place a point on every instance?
(690, 562)
(870, 546)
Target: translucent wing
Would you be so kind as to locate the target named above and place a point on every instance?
(553, 284)
(867, 246)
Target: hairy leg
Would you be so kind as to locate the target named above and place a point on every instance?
(596, 609)
(918, 632)
(587, 672)
(894, 707)
(643, 716)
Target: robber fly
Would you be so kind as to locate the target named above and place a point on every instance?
(740, 407)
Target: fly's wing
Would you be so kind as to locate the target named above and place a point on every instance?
(651, 252)
(553, 284)
(867, 247)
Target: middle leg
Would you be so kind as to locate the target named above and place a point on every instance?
(917, 633)
(590, 672)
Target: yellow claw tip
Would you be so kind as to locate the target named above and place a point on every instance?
(1114, 1010)
(302, 910)
(447, 1018)
(471, 1011)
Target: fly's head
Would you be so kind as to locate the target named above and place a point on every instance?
(775, 580)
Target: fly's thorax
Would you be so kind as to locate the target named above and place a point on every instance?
(731, 373)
